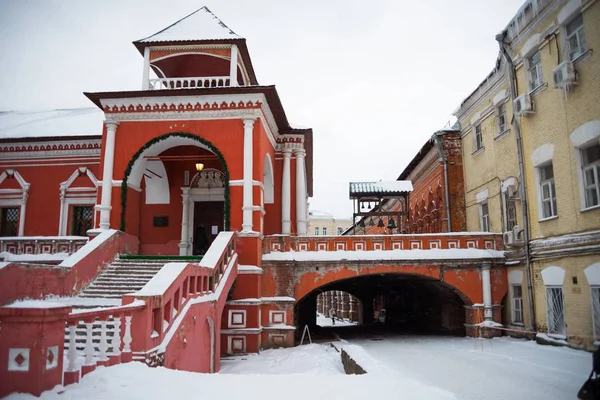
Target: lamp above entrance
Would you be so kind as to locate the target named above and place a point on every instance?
(199, 166)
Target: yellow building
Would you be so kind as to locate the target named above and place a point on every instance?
(549, 74)
(324, 224)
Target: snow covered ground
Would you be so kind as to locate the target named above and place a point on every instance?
(311, 371)
(324, 321)
(399, 367)
(480, 369)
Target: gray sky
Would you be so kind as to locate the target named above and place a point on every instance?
(374, 79)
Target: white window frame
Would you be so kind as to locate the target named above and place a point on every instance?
(324, 230)
(534, 69)
(484, 219)
(516, 301)
(548, 183)
(555, 329)
(578, 34)
(477, 138)
(501, 114)
(594, 167)
(316, 231)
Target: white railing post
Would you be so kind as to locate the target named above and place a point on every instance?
(116, 339)
(89, 344)
(127, 335)
(72, 353)
(103, 341)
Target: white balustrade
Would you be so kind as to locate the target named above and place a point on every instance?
(89, 344)
(116, 339)
(103, 341)
(189, 83)
(72, 353)
(127, 335)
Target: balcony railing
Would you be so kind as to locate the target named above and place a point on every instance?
(42, 244)
(189, 83)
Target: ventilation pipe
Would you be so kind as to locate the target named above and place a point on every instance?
(500, 38)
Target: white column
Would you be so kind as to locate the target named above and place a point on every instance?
(72, 353)
(286, 201)
(127, 336)
(487, 292)
(247, 203)
(116, 339)
(61, 218)
(22, 211)
(300, 193)
(103, 346)
(184, 245)
(146, 72)
(89, 344)
(107, 174)
(233, 66)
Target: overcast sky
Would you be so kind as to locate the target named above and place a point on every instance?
(374, 79)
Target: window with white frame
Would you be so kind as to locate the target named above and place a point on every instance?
(340, 230)
(596, 311)
(555, 308)
(534, 71)
(590, 165)
(484, 217)
(575, 37)
(316, 231)
(324, 231)
(517, 304)
(547, 191)
(478, 138)
(502, 122)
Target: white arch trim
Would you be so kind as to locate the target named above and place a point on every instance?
(515, 277)
(269, 181)
(542, 154)
(187, 53)
(569, 10)
(15, 197)
(592, 274)
(140, 165)
(506, 183)
(531, 45)
(553, 276)
(79, 196)
(585, 134)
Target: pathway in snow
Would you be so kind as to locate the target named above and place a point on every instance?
(480, 369)
(324, 321)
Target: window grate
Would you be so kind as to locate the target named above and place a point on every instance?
(9, 223)
(556, 311)
(82, 220)
(596, 311)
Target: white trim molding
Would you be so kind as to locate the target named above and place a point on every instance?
(592, 274)
(15, 197)
(76, 196)
(553, 276)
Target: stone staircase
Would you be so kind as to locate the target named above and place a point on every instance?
(122, 276)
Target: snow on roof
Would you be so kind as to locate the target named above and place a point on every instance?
(202, 24)
(384, 255)
(65, 122)
(381, 187)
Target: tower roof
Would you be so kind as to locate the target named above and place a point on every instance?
(200, 25)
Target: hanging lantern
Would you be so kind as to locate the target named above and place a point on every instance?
(199, 166)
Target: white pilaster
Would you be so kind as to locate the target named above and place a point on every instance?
(107, 174)
(286, 201)
(62, 216)
(247, 202)
(300, 192)
(233, 66)
(184, 244)
(22, 211)
(487, 292)
(146, 72)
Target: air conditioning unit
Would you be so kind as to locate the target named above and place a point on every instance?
(523, 105)
(564, 75)
(508, 238)
(517, 234)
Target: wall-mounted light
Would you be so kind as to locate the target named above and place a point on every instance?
(199, 166)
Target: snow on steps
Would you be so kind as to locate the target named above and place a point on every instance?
(119, 278)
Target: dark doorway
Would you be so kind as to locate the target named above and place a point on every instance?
(208, 222)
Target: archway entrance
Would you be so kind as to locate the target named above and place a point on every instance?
(174, 206)
(412, 304)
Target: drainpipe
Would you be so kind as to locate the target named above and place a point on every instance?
(444, 156)
(500, 38)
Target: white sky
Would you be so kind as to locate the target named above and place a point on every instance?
(373, 79)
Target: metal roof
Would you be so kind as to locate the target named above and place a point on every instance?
(386, 188)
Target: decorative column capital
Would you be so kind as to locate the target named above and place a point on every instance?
(299, 152)
(486, 266)
(286, 152)
(248, 122)
(111, 125)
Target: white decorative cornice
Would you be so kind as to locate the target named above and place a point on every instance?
(51, 149)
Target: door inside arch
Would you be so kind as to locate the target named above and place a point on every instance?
(208, 222)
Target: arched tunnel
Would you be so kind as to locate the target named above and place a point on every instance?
(414, 304)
